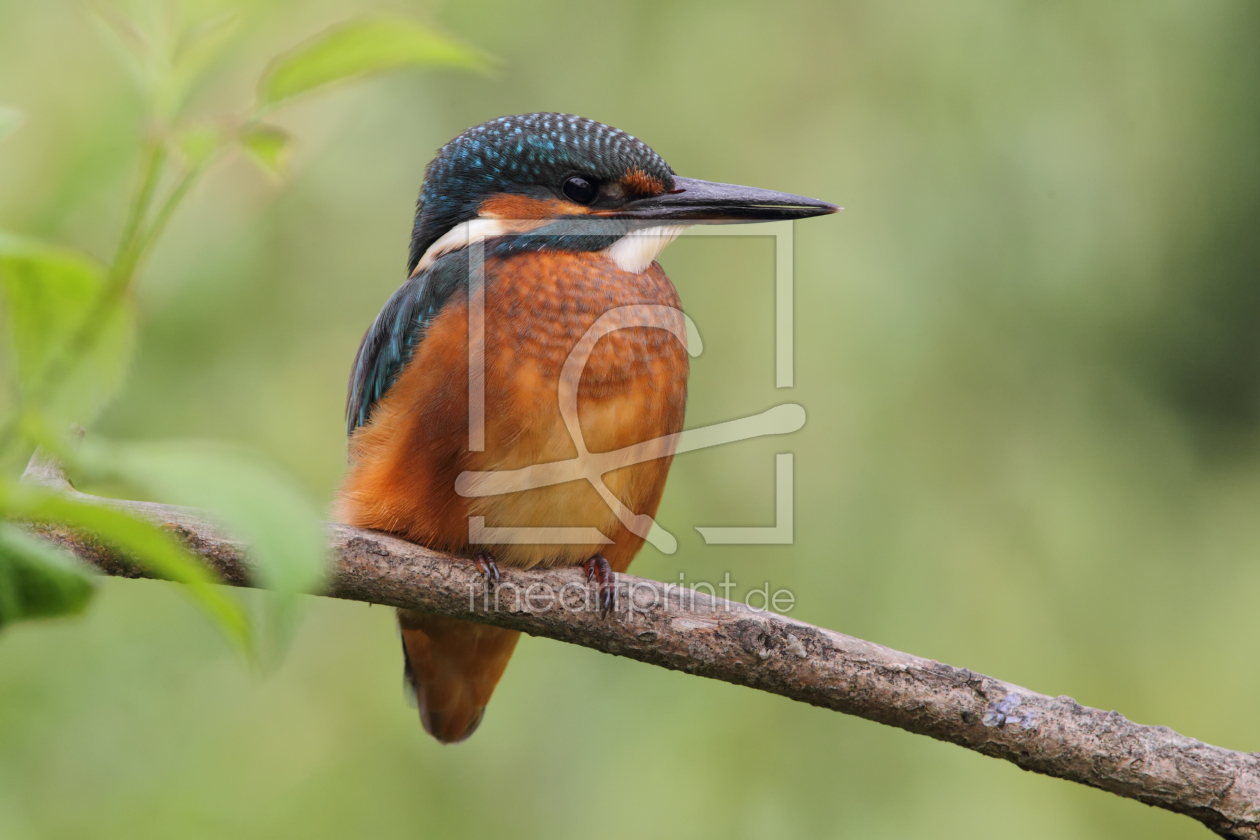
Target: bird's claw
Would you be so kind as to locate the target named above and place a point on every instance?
(599, 572)
(488, 568)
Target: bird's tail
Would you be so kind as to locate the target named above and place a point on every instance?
(453, 667)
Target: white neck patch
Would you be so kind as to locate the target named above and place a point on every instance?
(460, 237)
(638, 249)
(633, 252)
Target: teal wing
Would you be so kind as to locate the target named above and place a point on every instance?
(398, 329)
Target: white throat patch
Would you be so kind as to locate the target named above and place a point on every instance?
(638, 249)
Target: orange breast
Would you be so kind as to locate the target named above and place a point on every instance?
(537, 306)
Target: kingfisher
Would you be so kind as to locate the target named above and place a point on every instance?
(567, 216)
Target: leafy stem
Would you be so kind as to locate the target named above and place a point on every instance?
(136, 241)
(71, 331)
(125, 258)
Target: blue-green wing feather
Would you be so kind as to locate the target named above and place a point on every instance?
(398, 329)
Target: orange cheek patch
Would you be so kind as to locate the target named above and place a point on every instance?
(507, 206)
(638, 182)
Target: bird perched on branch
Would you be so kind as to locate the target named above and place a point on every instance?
(529, 230)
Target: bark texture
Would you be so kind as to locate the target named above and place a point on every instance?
(693, 632)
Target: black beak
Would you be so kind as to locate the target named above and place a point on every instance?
(706, 201)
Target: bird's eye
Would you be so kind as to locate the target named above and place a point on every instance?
(580, 190)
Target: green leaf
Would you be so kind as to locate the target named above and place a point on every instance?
(269, 147)
(127, 41)
(190, 57)
(199, 143)
(146, 544)
(48, 294)
(361, 47)
(11, 120)
(201, 43)
(38, 580)
(165, 61)
(257, 503)
(254, 502)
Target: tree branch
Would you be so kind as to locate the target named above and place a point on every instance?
(687, 631)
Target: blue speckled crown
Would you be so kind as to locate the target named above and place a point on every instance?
(514, 154)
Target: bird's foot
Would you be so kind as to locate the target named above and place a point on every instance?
(599, 572)
(488, 568)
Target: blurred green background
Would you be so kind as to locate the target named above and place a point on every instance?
(1029, 350)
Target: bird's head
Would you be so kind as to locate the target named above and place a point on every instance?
(565, 182)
